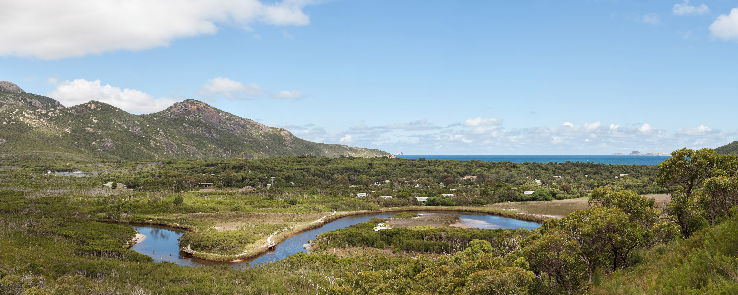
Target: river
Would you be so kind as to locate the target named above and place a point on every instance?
(162, 244)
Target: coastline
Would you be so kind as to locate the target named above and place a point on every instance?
(265, 245)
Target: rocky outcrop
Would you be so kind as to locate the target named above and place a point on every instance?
(10, 87)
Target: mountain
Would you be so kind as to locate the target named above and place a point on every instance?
(729, 149)
(191, 129)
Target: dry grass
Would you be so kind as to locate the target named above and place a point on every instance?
(560, 208)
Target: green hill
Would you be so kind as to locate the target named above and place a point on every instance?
(36, 125)
(729, 149)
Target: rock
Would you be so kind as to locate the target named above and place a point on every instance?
(10, 87)
(2, 141)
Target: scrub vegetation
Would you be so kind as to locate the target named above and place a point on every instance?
(69, 235)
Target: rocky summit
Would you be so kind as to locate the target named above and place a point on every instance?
(10, 87)
(37, 125)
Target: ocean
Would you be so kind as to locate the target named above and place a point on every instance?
(597, 159)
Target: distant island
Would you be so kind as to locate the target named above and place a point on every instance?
(637, 153)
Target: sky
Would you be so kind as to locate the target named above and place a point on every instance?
(411, 76)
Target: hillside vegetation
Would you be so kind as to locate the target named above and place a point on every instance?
(37, 125)
(728, 149)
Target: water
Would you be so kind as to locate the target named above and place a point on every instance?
(597, 159)
(162, 244)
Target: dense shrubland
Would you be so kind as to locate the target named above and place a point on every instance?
(52, 242)
(401, 178)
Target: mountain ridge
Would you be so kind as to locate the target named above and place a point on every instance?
(190, 129)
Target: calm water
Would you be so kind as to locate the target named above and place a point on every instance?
(162, 244)
(597, 159)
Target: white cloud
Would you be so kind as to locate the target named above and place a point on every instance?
(591, 126)
(645, 128)
(687, 9)
(483, 125)
(420, 137)
(726, 26)
(479, 121)
(80, 91)
(346, 138)
(651, 19)
(230, 89)
(288, 94)
(697, 131)
(567, 124)
(69, 28)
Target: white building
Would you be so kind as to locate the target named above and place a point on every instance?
(386, 197)
(361, 195)
(421, 199)
(447, 195)
(528, 192)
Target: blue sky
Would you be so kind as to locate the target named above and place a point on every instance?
(419, 77)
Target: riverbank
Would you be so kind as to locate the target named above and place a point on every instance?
(266, 244)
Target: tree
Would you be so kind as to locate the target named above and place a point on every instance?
(686, 169)
(682, 174)
(640, 209)
(447, 179)
(606, 236)
(557, 261)
(718, 195)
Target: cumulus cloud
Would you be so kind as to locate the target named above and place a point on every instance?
(685, 8)
(697, 131)
(726, 26)
(69, 28)
(231, 89)
(645, 128)
(80, 91)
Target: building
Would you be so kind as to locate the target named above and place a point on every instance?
(361, 195)
(447, 195)
(421, 199)
(386, 197)
(528, 192)
(470, 177)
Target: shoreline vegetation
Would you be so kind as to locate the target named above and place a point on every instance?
(515, 210)
(265, 245)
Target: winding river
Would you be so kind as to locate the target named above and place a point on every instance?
(162, 245)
